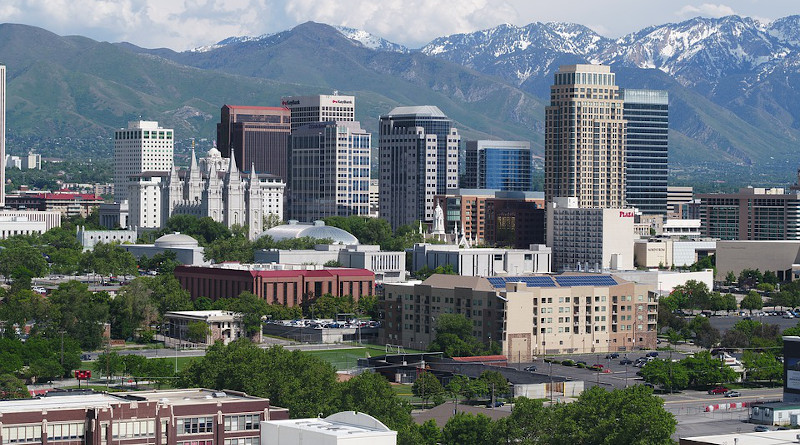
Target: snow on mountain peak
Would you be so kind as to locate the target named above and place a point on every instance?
(370, 41)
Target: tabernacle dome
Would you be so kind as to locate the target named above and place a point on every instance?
(317, 230)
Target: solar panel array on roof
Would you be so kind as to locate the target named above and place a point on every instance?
(500, 282)
(586, 280)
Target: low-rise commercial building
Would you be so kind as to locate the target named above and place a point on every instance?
(287, 287)
(50, 219)
(589, 238)
(664, 281)
(751, 214)
(343, 428)
(665, 252)
(65, 202)
(781, 257)
(172, 417)
(482, 262)
(20, 225)
(387, 266)
(90, 238)
(530, 315)
(495, 217)
(224, 326)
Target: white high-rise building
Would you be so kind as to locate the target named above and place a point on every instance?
(143, 147)
(2, 135)
(322, 108)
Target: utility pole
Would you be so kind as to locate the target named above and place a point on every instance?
(108, 360)
(62, 347)
(551, 381)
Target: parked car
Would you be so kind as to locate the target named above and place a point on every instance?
(626, 361)
(530, 368)
(760, 429)
(497, 404)
(733, 394)
(652, 354)
(580, 362)
(718, 390)
(612, 355)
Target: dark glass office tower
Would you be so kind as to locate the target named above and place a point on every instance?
(647, 143)
(498, 165)
(257, 136)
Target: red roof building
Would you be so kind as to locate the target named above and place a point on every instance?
(65, 202)
(287, 287)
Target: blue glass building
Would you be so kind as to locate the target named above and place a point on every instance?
(498, 165)
(647, 144)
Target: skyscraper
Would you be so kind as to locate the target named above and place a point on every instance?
(498, 165)
(329, 170)
(585, 138)
(257, 136)
(418, 155)
(142, 147)
(322, 108)
(646, 113)
(2, 135)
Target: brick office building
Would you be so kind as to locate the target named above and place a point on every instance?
(287, 287)
(185, 416)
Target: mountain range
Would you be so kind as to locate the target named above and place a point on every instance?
(733, 83)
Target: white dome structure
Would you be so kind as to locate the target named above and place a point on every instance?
(214, 153)
(317, 230)
(176, 240)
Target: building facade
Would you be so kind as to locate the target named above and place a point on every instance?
(329, 168)
(142, 147)
(589, 239)
(780, 257)
(65, 202)
(529, 315)
(665, 252)
(343, 428)
(495, 218)
(20, 225)
(287, 287)
(646, 113)
(418, 156)
(224, 326)
(257, 136)
(171, 417)
(585, 138)
(323, 108)
(498, 165)
(387, 266)
(751, 214)
(482, 262)
(90, 238)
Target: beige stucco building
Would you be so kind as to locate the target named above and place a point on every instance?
(781, 257)
(529, 315)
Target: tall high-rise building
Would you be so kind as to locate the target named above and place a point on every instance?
(2, 135)
(646, 114)
(143, 147)
(257, 136)
(418, 155)
(329, 170)
(498, 165)
(585, 138)
(322, 108)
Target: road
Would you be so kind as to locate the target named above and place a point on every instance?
(724, 323)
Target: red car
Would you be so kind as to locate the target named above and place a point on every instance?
(718, 390)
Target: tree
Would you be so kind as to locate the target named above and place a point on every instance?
(369, 305)
(464, 428)
(630, 416)
(750, 277)
(333, 263)
(706, 335)
(197, 331)
(370, 393)
(730, 278)
(495, 382)
(109, 259)
(752, 301)
(770, 277)
(271, 220)
(666, 374)
(427, 386)
(530, 423)
(80, 313)
(19, 259)
(132, 310)
(108, 364)
(762, 366)
(454, 337)
(705, 371)
(694, 294)
(304, 384)
(13, 388)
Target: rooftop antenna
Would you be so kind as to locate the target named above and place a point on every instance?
(335, 92)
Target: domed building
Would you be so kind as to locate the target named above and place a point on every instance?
(317, 230)
(187, 249)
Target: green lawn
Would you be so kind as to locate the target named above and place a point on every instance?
(182, 363)
(343, 359)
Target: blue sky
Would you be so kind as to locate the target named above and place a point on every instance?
(185, 24)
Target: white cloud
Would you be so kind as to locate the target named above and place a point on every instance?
(413, 22)
(706, 9)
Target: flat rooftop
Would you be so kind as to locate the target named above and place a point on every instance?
(189, 396)
(59, 401)
(343, 424)
(765, 438)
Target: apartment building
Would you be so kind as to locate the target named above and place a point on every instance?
(529, 315)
